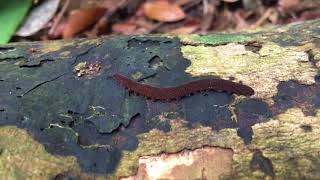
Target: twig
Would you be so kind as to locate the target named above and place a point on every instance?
(57, 20)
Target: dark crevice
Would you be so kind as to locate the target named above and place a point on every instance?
(37, 64)
(68, 175)
(131, 93)
(123, 126)
(147, 77)
(167, 42)
(166, 68)
(6, 49)
(306, 128)
(13, 59)
(246, 134)
(259, 162)
(70, 112)
(9, 53)
(253, 47)
(311, 57)
(154, 61)
(75, 116)
(133, 118)
(71, 124)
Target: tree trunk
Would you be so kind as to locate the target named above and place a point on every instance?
(63, 114)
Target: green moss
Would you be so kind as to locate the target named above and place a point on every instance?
(214, 39)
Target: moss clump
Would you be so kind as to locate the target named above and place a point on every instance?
(214, 39)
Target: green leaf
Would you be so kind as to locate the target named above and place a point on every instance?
(12, 13)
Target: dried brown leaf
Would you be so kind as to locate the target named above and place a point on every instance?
(163, 11)
(289, 4)
(80, 20)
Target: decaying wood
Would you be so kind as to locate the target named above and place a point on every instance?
(63, 115)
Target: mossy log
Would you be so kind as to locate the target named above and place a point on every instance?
(63, 115)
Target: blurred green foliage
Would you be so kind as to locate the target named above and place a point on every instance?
(12, 13)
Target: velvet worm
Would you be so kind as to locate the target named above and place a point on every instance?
(171, 93)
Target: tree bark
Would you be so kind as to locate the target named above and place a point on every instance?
(62, 114)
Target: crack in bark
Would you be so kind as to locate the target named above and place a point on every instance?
(42, 83)
(147, 77)
(6, 49)
(36, 65)
(311, 58)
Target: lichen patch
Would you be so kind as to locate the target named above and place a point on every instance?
(284, 142)
(87, 69)
(23, 158)
(281, 140)
(260, 70)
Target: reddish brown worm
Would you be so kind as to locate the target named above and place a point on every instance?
(170, 93)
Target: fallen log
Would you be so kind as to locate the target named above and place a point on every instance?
(62, 113)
